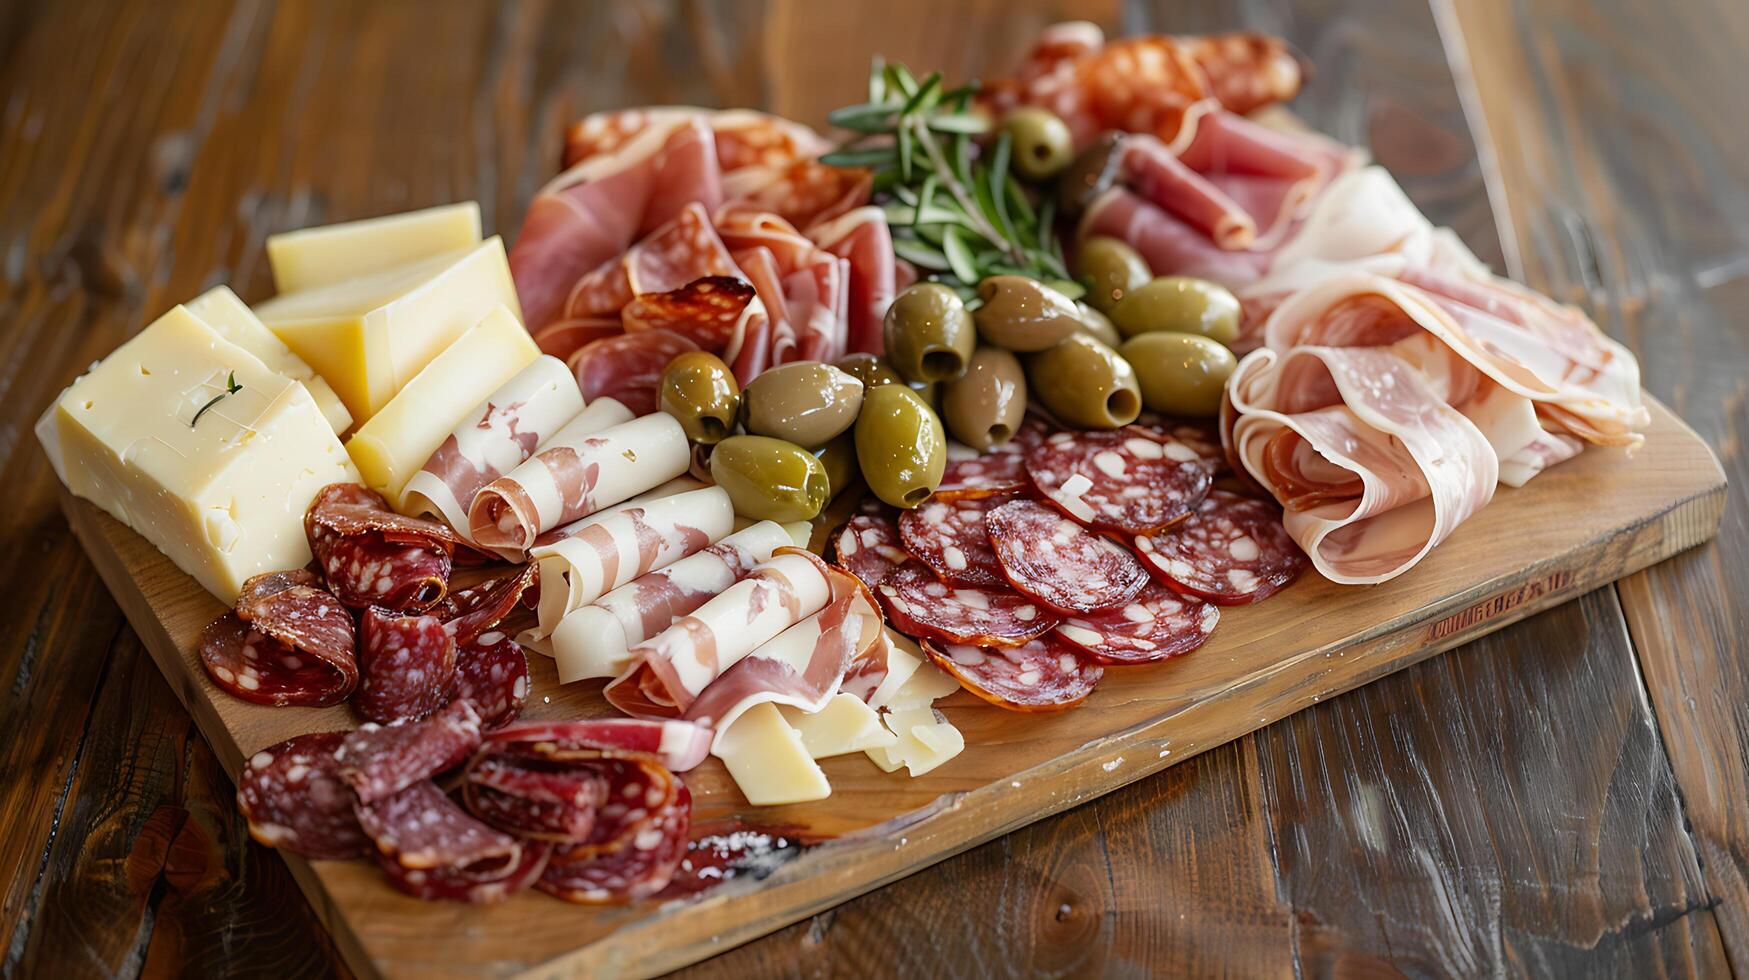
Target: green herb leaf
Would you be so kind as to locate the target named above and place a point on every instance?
(877, 156)
(920, 254)
(869, 117)
(231, 388)
(959, 256)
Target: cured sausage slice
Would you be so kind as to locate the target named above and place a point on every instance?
(408, 666)
(475, 886)
(999, 471)
(491, 673)
(703, 311)
(679, 745)
(922, 605)
(371, 555)
(534, 798)
(1045, 674)
(638, 870)
(1232, 551)
(949, 537)
(1060, 563)
(256, 667)
(378, 761)
(627, 368)
(1128, 480)
(472, 611)
(1156, 624)
(869, 546)
(420, 827)
(1202, 438)
(293, 798)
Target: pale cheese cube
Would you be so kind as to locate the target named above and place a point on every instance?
(312, 257)
(925, 740)
(370, 336)
(224, 497)
(766, 758)
(397, 440)
(232, 320)
(843, 726)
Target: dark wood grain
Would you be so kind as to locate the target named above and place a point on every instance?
(1535, 824)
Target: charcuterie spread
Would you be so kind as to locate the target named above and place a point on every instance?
(1064, 370)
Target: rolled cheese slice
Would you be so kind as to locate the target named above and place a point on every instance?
(498, 434)
(670, 670)
(625, 544)
(596, 640)
(578, 472)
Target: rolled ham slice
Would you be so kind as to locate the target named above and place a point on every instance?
(608, 550)
(672, 669)
(580, 470)
(497, 436)
(596, 640)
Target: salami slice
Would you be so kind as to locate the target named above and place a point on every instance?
(491, 673)
(290, 607)
(921, 605)
(627, 368)
(371, 555)
(679, 745)
(630, 873)
(545, 820)
(253, 666)
(1156, 624)
(474, 886)
(1202, 438)
(421, 828)
(949, 537)
(1058, 562)
(1232, 551)
(535, 797)
(704, 310)
(1128, 480)
(408, 666)
(378, 761)
(869, 547)
(972, 474)
(472, 611)
(1045, 674)
(293, 798)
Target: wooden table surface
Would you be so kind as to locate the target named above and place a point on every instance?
(1569, 796)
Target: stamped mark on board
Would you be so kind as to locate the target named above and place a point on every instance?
(1498, 605)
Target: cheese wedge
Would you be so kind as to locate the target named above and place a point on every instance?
(925, 741)
(224, 494)
(368, 337)
(225, 313)
(397, 440)
(843, 726)
(766, 758)
(322, 256)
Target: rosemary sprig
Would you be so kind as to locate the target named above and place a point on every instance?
(231, 388)
(957, 214)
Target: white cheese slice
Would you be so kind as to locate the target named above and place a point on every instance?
(397, 440)
(369, 336)
(232, 320)
(925, 741)
(843, 726)
(314, 257)
(223, 497)
(767, 760)
(926, 685)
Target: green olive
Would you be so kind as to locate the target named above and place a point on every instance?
(930, 392)
(900, 446)
(699, 390)
(805, 402)
(1181, 374)
(984, 408)
(1041, 143)
(929, 334)
(839, 459)
(1085, 384)
(1024, 315)
(1110, 269)
(870, 369)
(1179, 304)
(1099, 325)
(770, 479)
(1094, 171)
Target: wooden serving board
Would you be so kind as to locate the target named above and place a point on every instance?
(1577, 526)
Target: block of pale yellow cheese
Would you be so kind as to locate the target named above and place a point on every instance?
(925, 740)
(843, 726)
(767, 760)
(369, 336)
(397, 440)
(232, 320)
(312, 257)
(193, 442)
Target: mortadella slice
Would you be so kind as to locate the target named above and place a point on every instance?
(497, 436)
(578, 472)
(596, 640)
